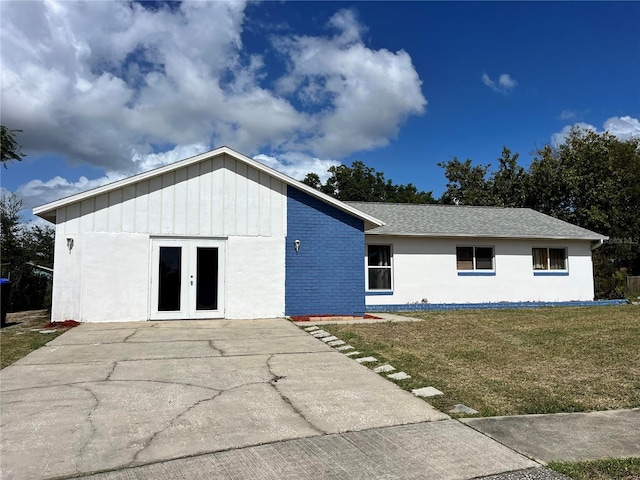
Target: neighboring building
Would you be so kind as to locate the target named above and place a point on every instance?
(220, 235)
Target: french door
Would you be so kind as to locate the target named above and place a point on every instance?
(187, 279)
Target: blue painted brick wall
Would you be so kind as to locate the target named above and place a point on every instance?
(327, 275)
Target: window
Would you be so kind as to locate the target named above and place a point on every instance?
(379, 267)
(549, 258)
(474, 258)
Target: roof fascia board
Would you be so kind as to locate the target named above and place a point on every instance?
(42, 210)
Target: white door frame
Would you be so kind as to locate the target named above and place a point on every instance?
(188, 272)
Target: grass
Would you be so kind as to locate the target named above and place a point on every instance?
(514, 362)
(610, 469)
(22, 337)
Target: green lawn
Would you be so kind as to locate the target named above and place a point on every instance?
(512, 362)
(22, 336)
(611, 469)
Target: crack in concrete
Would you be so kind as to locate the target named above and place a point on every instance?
(217, 349)
(130, 335)
(113, 369)
(169, 424)
(90, 420)
(274, 380)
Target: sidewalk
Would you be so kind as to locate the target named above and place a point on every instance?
(566, 436)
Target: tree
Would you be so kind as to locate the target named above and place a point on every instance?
(593, 180)
(10, 149)
(467, 184)
(360, 183)
(21, 247)
(508, 184)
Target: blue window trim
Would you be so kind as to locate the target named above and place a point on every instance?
(550, 273)
(378, 292)
(476, 273)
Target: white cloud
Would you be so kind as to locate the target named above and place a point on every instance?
(568, 115)
(369, 92)
(297, 165)
(106, 83)
(624, 128)
(504, 85)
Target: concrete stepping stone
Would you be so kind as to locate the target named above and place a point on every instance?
(366, 359)
(336, 343)
(330, 338)
(384, 369)
(344, 347)
(459, 408)
(426, 392)
(311, 329)
(399, 376)
(351, 354)
(321, 334)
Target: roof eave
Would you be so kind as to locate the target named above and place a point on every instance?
(509, 237)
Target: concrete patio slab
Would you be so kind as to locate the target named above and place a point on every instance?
(567, 436)
(425, 450)
(336, 394)
(109, 352)
(228, 399)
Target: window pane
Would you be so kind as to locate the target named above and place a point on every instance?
(169, 279)
(379, 255)
(540, 259)
(484, 258)
(558, 259)
(379, 279)
(464, 258)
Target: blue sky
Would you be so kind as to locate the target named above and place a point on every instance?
(103, 90)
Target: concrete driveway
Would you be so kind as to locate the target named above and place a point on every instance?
(108, 396)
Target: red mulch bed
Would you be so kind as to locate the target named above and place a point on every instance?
(63, 324)
(309, 318)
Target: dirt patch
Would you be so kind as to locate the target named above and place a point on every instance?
(63, 324)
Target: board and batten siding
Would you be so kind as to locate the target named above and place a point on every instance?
(218, 197)
(105, 276)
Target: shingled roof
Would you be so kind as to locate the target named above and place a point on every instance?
(464, 221)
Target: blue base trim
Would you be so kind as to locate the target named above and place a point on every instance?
(373, 293)
(549, 273)
(420, 307)
(476, 273)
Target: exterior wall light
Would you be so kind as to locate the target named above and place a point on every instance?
(69, 244)
(296, 245)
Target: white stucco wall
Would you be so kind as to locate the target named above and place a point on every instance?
(255, 277)
(425, 269)
(106, 275)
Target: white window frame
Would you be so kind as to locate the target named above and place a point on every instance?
(474, 259)
(548, 268)
(390, 267)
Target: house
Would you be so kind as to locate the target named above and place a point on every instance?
(220, 235)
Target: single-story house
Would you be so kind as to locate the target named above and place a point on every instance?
(220, 235)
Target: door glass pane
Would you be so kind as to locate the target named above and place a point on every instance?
(207, 279)
(169, 279)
